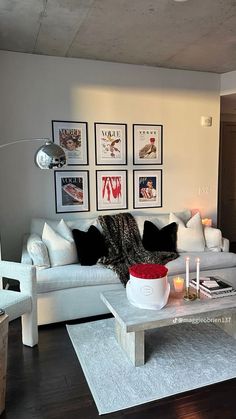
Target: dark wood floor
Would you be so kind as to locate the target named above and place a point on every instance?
(47, 382)
(232, 247)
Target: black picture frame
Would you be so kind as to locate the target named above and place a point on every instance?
(110, 143)
(71, 191)
(109, 185)
(76, 133)
(147, 188)
(147, 144)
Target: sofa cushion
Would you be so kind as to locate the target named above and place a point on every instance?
(208, 261)
(38, 251)
(213, 237)
(37, 224)
(73, 276)
(160, 220)
(190, 237)
(60, 244)
(90, 245)
(155, 239)
(83, 223)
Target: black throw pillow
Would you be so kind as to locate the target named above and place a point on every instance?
(90, 245)
(155, 239)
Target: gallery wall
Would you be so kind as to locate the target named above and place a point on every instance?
(36, 90)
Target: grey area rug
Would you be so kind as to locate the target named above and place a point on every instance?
(178, 358)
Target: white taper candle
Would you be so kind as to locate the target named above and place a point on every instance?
(187, 272)
(198, 273)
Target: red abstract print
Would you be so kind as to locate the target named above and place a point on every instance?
(111, 188)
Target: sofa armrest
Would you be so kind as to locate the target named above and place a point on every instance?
(25, 256)
(213, 238)
(35, 251)
(225, 244)
(25, 274)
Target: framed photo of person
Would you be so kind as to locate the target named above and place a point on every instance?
(147, 144)
(110, 143)
(71, 190)
(147, 188)
(73, 138)
(111, 187)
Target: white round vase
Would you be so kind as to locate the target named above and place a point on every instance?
(148, 286)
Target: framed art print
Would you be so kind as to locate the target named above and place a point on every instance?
(110, 143)
(147, 188)
(72, 190)
(147, 144)
(73, 138)
(111, 189)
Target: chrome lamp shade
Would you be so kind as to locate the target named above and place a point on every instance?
(50, 156)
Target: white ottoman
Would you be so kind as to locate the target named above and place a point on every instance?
(148, 286)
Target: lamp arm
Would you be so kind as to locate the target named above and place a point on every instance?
(49, 156)
(24, 141)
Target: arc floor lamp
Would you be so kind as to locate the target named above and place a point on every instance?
(48, 156)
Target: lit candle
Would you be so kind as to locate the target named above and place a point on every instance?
(207, 222)
(198, 273)
(178, 284)
(187, 272)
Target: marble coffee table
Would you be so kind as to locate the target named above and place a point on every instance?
(131, 322)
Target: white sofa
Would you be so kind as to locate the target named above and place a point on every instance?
(24, 303)
(73, 291)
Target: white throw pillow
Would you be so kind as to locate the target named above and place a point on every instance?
(38, 251)
(190, 237)
(213, 237)
(60, 244)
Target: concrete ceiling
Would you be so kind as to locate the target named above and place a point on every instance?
(194, 34)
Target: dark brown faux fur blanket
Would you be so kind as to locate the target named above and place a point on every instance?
(125, 246)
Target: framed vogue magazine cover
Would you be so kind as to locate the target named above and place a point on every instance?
(147, 144)
(71, 190)
(147, 188)
(111, 186)
(73, 138)
(110, 143)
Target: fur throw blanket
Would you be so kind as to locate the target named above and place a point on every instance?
(125, 246)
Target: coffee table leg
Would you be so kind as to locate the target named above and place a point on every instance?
(132, 343)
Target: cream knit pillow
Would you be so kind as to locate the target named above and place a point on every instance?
(38, 251)
(60, 244)
(190, 237)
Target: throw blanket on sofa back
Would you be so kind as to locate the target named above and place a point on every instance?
(125, 246)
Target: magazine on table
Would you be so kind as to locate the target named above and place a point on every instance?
(213, 284)
(213, 287)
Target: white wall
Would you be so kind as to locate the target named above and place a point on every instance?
(36, 89)
(228, 83)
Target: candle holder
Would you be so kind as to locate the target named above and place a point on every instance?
(178, 284)
(188, 296)
(198, 295)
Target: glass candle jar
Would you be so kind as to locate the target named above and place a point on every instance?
(178, 284)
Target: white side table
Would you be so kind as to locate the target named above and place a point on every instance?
(3, 359)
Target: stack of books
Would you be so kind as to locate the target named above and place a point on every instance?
(213, 287)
